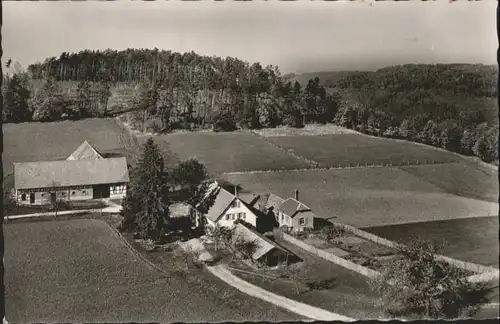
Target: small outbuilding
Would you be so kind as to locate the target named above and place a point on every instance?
(266, 251)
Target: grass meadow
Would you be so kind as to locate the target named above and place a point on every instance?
(80, 271)
(467, 179)
(229, 152)
(365, 197)
(354, 149)
(472, 239)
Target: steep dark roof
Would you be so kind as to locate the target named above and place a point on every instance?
(291, 207)
(85, 151)
(264, 245)
(274, 201)
(33, 175)
(222, 201)
(249, 198)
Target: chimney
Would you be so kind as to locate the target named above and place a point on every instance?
(236, 190)
(297, 194)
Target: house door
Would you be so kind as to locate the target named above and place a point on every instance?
(53, 197)
(101, 192)
(32, 198)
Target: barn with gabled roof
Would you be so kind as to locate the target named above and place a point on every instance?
(84, 175)
(85, 151)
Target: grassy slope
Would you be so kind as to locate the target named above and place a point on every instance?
(229, 152)
(51, 141)
(473, 240)
(366, 196)
(468, 179)
(344, 149)
(79, 271)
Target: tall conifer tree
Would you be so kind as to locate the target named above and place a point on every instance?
(146, 207)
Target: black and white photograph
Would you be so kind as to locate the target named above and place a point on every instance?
(249, 161)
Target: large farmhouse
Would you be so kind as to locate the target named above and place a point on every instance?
(291, 212)
(84, 175)
(225, 208)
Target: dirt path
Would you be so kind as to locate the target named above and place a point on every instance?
(300, 308)
(111, 209)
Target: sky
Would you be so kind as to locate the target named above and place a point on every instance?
(301, 36)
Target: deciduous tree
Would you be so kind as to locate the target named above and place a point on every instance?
(419, 286)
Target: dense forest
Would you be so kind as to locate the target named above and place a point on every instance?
(449, 106)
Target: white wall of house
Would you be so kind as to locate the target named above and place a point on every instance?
(301, 222)
(81, 194)
(284, 220)
(237, 210)
(118, 191)
(43, 197)
(298, 223)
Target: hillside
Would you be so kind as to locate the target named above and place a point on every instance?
(450, 106)
(458, 77)
(327, 78)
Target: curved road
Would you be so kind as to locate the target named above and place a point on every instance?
(80, 271)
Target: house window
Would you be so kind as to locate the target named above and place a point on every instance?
(227, 216)
(63, 194)
(244, 215)
(233, 216)
(282, 217)
(73, 193)
(23, 197)
(236, 204)
(83, 192)
(302, 221)
(42, 195)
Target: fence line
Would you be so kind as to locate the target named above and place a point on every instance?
(341, 167)
(332, 258)
(289, 151)
(477, 268)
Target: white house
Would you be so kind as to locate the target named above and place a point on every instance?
(291, 212)
(225, 209)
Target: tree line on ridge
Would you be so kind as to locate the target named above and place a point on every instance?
(449, 106)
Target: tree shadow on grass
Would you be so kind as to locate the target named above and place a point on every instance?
(322, 284)
(320, 223)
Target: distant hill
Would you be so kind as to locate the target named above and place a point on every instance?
(327, 78)
(454, 74)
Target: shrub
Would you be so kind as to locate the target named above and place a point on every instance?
(330, 233)
(245, 248)
(420, 286)
(155, 128)
(293, 121)
(223, 122)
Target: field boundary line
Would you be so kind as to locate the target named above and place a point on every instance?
(483, 273)
(289, 152)
(306, 310)
(429, 221)
(340, 167)
(367, 272)
(469, 266)
(134, 250)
